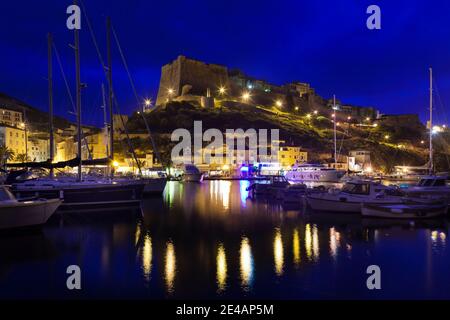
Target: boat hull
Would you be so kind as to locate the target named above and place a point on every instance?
(86, 197)
(403, 212)
(193, 177)
(27, 214)
(154, 187)
(342, 204)
(314, 176)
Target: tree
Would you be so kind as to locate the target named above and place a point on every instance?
(6, 154)
(22, 158)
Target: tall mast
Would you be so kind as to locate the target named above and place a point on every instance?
(431, 120)
(111, 114)
(105, 121)
(335, 119)
(50, 99)
(78, 98)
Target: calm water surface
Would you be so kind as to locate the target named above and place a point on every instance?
(211, 240)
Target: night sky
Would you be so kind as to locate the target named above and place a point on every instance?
(325, 43)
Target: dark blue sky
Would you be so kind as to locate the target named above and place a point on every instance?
(325, 43)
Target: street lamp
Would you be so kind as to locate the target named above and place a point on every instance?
(222, 91)
(148, 102)
(296, 108)
(279, 103)
(245, 96)
(386, 137)
(316, 112)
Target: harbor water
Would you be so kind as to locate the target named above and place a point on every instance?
(211, 240)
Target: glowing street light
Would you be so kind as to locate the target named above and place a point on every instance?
(279, 103)
(333, 115)
(367, 119)
(170, 91)
(296, 108)
(386, 137)
(308, 116)
(115, 164)
(245, 96)
(222, 90)
(375, 125)
(148, 102)
(422, 142)
(349, 118)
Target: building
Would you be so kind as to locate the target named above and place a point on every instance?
(119, 123)
(190, 80)
(38, 149)
(359, 161)
(358, 113)
(65, 149)
(98, 146)
(13, 138)
(289, 156)
(11, 118)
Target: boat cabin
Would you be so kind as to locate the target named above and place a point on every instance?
(433, 181)
(368, 188)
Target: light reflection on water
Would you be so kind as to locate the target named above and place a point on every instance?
(247, 267)
(210, 239)
(221, 273)
(170, 267)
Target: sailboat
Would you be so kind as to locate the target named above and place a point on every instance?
(431, 186)
(79, 193)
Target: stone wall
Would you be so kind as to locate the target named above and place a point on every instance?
(184, 71)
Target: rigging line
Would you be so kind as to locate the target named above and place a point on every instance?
(69, 93)
(445, 117)
(99, 55)
(440, 101)
(155, 150)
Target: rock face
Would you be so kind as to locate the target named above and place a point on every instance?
(183, 71)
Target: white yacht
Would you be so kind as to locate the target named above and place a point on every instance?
(352, 195)
(15, 214)
(313, 173)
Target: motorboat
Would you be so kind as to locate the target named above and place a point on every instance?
(313, 173)
(274, 186)
(431, 187)
(191, 174)
(16, 214)
(293, 194)
(404, 210)
(352, 195)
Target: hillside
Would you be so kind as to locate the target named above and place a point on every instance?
(37, 120)
(315, 134)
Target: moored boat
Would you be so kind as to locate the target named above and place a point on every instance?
(15, 214)
(404, 210)
(313, 173)
(192, 174)
(350, 197)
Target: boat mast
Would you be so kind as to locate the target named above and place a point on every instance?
(431, 121)
(335, 140)
(105, 121)
(50, 99)
(110, 94)
(78, 98)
